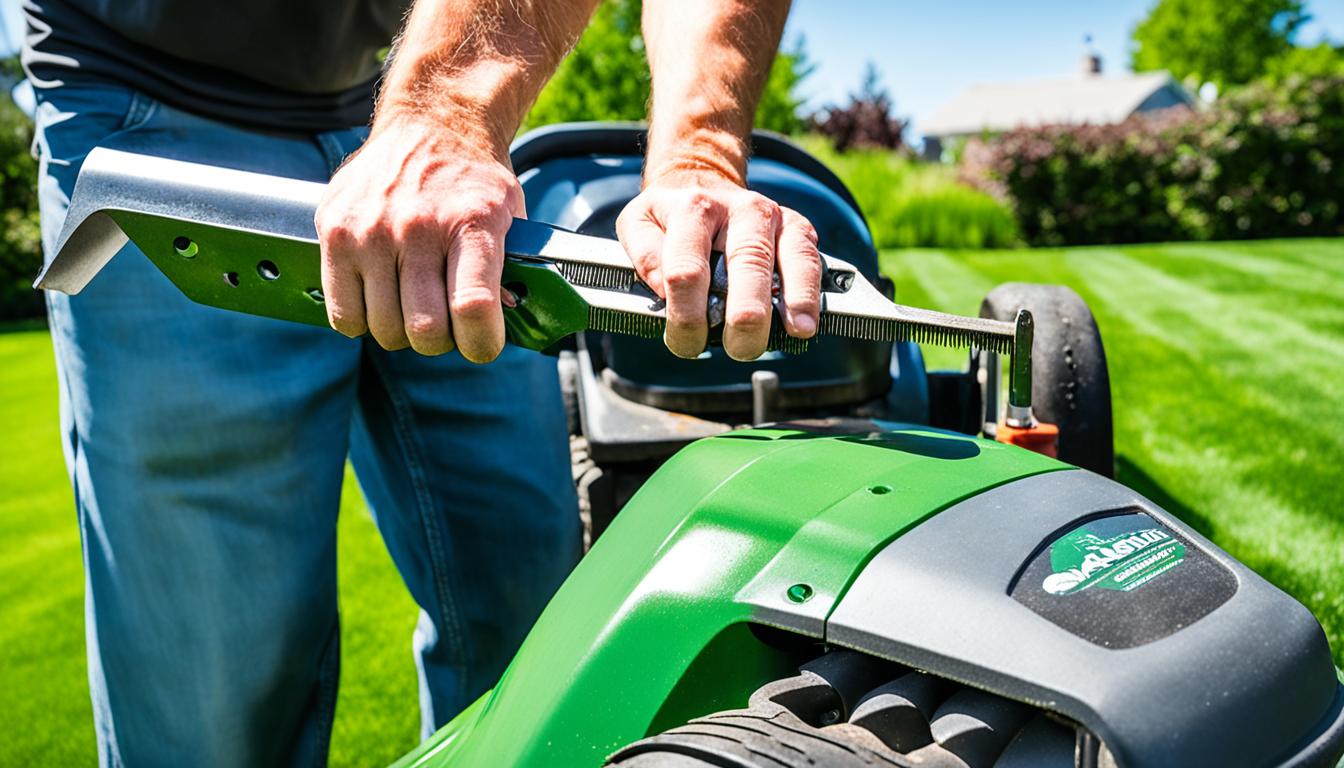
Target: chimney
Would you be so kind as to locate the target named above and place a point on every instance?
(1091, 61)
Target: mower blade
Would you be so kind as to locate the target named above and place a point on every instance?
(246, 242)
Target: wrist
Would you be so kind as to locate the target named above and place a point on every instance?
(466, 127)
(703, 157)
(476, 104)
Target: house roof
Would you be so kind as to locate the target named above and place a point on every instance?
(1096, 99)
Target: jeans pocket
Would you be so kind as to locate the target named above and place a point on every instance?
(71, 120)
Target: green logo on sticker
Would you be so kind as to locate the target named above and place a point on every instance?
(1082, 559)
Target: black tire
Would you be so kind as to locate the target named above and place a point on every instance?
(1070, 384)
(748, 740)
(849, 710)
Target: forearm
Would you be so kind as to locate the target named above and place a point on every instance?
(710, 60)
(477, 66)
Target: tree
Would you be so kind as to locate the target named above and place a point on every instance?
(20, 244)
(866, 121)
(1321, 60)
(780, 101)
(1215, 41)
(606, 77)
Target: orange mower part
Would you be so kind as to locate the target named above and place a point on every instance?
(1041, 437)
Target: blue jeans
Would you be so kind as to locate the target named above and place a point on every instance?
(206, 449)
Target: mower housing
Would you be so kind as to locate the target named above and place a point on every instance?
(750, 552)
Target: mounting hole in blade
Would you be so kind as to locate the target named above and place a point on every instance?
(185, 247)
(268, 270)
(231, 279)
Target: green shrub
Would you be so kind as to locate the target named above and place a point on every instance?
(1265, 161)
(912, 204)
(20, 237)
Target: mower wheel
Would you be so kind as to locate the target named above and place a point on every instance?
(1070, 384)
(743, 740)
(850, 710)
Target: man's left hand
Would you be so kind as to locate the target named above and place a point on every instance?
(669, 231)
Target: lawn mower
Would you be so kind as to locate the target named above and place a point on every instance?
(830, 556)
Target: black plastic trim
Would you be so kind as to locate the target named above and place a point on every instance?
(604, 138)
(1239, 686)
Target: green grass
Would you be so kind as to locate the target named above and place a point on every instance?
(915, 204)
(43, 689)
(1228, 368)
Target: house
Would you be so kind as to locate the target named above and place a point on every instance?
(1089, 97)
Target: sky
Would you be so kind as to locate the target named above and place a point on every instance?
(929, 51)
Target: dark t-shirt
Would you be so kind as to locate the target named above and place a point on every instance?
(306, 65)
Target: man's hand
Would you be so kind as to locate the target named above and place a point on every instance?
(669, 230)
(709, 60)
(412, 232)
(412, 227)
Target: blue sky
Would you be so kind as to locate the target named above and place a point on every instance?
(928, 51)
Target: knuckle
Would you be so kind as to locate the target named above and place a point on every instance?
(753, 254)
(749, 318)
(477, 212)
(426, 326)
(686, 274)
(486, 211)
(803, 228)
(761, 207)
(631, 217)
(808, 233)
(412, 226)
(701, 202)
(339, 235)
(473, 304)
(624, 217)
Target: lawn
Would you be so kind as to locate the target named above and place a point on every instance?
(44, 702)
(1227, 362)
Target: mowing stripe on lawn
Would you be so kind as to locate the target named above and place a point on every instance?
(1226, 364)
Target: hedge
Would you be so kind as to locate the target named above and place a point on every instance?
(20, 237)
(1267, 160)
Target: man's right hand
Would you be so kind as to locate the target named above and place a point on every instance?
(412, 226)
(412, 235)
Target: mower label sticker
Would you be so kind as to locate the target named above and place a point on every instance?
(1099, 555)
(1122, 580)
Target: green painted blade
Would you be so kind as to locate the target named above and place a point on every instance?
(276, 276)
